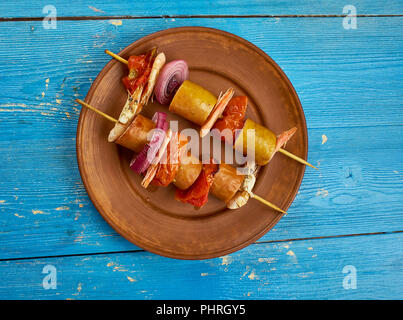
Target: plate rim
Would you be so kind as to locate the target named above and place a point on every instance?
(91, 192)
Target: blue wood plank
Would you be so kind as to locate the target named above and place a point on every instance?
(353, 193)
(182, 7)
(361, 68)
(307, 269)
(351, 94)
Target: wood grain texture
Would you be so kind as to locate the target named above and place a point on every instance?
(362, 65)
(354, 192)
(349, 83)
(309, 269)
(144, 8)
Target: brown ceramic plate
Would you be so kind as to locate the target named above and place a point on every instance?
(153, 220)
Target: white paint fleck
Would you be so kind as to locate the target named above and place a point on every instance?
(38, 212)
(245, 273)
(268, 260)
(62, 208)
(322, 192)
(115, 22)
(293, 256)
(252, 275)
(95, 9)
(79, 287)
(226, 260)
(324, 138)
(304, 274)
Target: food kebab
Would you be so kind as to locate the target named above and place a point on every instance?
(200, 106)
(193, 179)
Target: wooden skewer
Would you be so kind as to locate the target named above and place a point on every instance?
(115, 56)
(285, 152)
(293, 156)
(106, 116)
(267, 203)
(254, 196)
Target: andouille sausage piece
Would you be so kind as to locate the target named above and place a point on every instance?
(197, 194)
(226, 182)
(188, 172)
(265, 142)
(193, 102)
(135, 136)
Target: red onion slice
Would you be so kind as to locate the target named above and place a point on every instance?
(160, 120)
(142, 161)
(170, 79)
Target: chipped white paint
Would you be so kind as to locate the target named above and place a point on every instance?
(245, 273)
(115, 22)
(322, 192)
(304, 274)
(293, 256)
(38, 212)
(226, 260)
(268, 260)
(324, 138)
(79, 287)
(95, 9)
(62, 208)
(252, 275)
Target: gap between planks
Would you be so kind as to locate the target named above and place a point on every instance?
(67, 18)
(255, 243)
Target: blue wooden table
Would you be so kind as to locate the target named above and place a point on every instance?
(342, 238)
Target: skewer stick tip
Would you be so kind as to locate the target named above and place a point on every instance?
(106, 116)
(296, 158)
(115, 56)
(267, 203)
